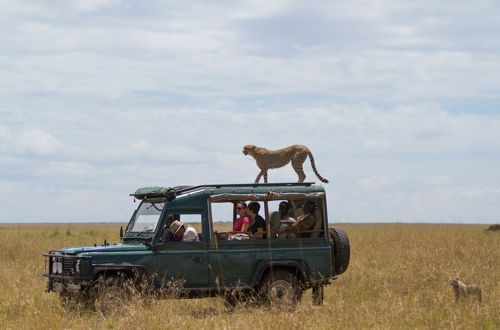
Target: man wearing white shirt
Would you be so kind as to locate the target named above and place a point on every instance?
(183, 233)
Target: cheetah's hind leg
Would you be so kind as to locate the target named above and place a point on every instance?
(297, 165)
(257, 179)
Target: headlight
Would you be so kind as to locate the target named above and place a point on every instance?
(59, 267)
(54, 266)
(77, 267)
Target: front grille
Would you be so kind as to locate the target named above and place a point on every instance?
(68, 266)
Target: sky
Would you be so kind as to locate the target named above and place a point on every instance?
(399, 101)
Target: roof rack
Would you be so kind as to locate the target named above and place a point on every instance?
(171, 193)
(185, 189)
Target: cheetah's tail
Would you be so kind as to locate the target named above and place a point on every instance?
(313, 165)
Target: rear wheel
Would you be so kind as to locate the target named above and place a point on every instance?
(239, 298)
(281, 288)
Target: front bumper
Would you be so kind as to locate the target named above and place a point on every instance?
(68, 278)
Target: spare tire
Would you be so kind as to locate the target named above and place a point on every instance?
(341, 250)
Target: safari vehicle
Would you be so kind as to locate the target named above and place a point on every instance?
(274, 269)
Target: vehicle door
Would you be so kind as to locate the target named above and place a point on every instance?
(231, 262)
(183, 263)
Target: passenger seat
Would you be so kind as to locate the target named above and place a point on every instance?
(318, 214)
(274, 221)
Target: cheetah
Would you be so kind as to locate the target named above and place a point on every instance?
(463, 290)
(267, 159)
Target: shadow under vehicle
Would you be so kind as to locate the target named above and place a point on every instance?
(275, 268)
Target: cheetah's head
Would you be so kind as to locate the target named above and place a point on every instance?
(248, 149)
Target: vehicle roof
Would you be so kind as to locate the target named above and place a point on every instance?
(305, 187)
(195, 196)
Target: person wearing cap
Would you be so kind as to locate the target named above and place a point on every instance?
(182, 232)
(285, 219)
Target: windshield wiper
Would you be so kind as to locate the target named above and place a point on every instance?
(142, 232)
(154, 205)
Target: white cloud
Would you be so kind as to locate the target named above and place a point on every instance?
(65, 169)
(28, 141)
(374, 182)
(90, 5)
(50, 8)
(440, 180)
(37, 142)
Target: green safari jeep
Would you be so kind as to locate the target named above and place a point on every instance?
(273, 267)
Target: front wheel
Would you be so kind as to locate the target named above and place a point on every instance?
(75, 301)
(281, 289)
(111, 295)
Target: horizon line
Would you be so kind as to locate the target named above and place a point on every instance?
(470, 222)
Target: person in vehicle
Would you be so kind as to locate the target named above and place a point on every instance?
(182, 232)
(305, 221)
(167, 235)
(242, 223)
(285, 219)
(257, 223)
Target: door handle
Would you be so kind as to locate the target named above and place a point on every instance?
(198, 259)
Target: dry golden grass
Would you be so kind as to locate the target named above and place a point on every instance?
(398, 278)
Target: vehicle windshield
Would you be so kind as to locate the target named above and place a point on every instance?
(146, 218)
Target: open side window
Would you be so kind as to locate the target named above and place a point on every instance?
(223, 216)
(290, 224)
(190, 221)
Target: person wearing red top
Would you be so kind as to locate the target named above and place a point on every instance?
(242, 223)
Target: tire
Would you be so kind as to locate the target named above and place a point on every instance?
(236, 298)
(111, 295)
(281, 288)
(340, 249)
(75, 301)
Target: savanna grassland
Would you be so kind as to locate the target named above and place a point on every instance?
(398, 278)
